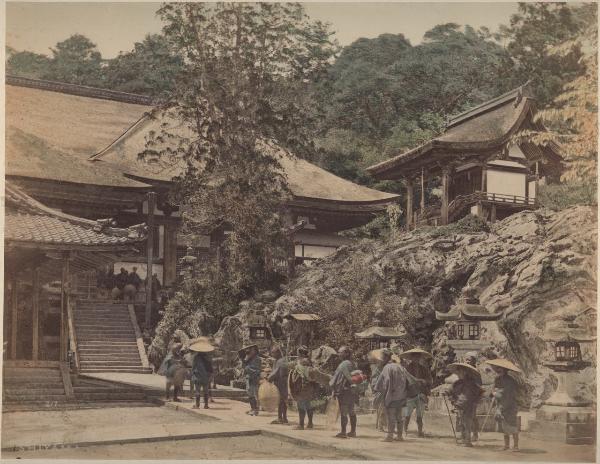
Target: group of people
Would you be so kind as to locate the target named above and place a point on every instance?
(125, 285)
(401, 383)
(194, 363)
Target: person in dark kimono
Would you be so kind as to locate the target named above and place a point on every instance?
(376, 367)
(391, 384)
(304, 387)
(505, 392)
(201, 371)
(471, 360)
(465, 395)
(252, 365)
(341, 383)
(279, 377)
(416, 366)
(175, 372)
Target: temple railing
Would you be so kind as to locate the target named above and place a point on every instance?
(431, 216)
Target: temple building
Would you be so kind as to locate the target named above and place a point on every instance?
(76, 149)
(45, 251)
(478, 164)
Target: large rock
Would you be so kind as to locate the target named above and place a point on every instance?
(535, 266)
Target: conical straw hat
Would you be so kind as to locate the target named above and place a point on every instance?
(201, 346)
(416, 351)
(467, 367)
(505, 363)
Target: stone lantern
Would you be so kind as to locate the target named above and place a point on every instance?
(188, 263)
(561, 416)
(466, 318)
(380, 335)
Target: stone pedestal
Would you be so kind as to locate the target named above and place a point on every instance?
(564, 418)
(571, 425)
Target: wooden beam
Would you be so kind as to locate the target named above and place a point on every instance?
(445, 194)
(484, 177)
(36, 314)
(409, 202)
(14, 318)
(149, 256)
(64, 331)
(422, 190)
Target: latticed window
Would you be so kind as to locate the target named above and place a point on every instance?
(258, 333)
(567, 351)
(460, 331)
(474, 331)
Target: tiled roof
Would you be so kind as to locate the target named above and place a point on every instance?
(28, 222)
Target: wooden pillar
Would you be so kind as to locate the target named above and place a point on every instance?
(291, 247)
(149, 258)
(493, 213)
(445, 194)
(35, 322)
(484, 177)
(14, 318)
(422, 191)
(409, 203)
(170, 254)
(64, 320)
(537, 178)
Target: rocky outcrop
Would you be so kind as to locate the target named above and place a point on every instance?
(535, 266)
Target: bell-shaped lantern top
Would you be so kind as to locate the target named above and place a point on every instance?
(468, 308)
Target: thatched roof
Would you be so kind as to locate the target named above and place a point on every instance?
(29, 223)
(486, 127)
(51, 134)
(54, 129)
(305, 179)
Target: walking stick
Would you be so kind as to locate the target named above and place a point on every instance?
(450, 418)
(488, 414)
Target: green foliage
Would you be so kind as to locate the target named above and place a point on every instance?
(572, 116)
(531, 32)
(76, 60)
(26, 64)
(561, 196)
(469, 224)
(245, 81)
(149, 69)
(197, 308)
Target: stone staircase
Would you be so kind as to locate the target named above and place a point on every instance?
(35, 389)
(25, 388)
(106, 339)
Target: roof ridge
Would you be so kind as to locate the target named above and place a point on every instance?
(80, 90)
(490, 104)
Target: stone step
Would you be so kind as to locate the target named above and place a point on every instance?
(31, 379)
(22, 398)
(116, 338)
(112, 396)
(93, 354)
(16, 390)
(127, 361)
(129, 370)
(16, 407)
(95, 321)
(107, 332)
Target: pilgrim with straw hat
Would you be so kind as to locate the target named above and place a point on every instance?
(417, 367)
(505, 394)
(465, 395)
(201, 368)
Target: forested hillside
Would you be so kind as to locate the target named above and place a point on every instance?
(379, 96)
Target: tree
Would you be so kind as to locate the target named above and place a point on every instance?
(572, 116)
(26, 64)
(242, 92)
(76, 60)
(149, 69)
(535, 28)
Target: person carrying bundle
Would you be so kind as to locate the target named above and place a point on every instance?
(279, 377)
(465, 395)
(252, 365)
(420, 372)
(505, 394)
(392, 386)
(303, 387)
(343, 391)
(201, 370)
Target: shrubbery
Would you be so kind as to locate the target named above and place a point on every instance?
(560, 196)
